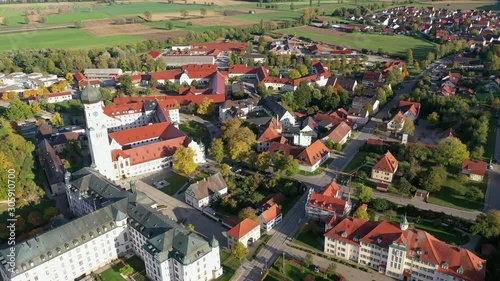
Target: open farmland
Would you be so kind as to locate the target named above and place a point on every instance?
(61, 39)
(395, 44)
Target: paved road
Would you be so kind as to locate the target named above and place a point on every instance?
(183, 213)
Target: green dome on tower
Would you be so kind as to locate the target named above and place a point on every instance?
(90, 94)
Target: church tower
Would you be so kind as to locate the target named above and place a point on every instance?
(404, 224)
(97, 133)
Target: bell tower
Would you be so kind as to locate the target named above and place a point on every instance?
(404, 224)
(97, 133)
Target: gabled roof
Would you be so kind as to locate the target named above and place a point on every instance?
(327, 203)
(372, 76)
(271, 213)
(271, 132)
(154, 54)
(387, 163)
(208, 186)
(339, 132)
(313, 153)
(163, 131)
(475, 167)
(331, 189)
(354, 229)
(285, 149)
(413, 107)
(243, 228)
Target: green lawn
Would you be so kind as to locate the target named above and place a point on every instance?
(310, 239)
(197, 132)
(452, 194)
(71, 18)
(176, 182)
(357, 161)
(394, 45)
(273, 16)
(70, 38)
(113, 273)
(182, 25)
(294, 271)
(443, 233)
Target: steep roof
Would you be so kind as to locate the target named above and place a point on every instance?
(208, 186)
(331, 189)
(50, 162)
(413, 107)
(163, 131)
(339, 132)
(327, 203)
(387, 163)
(372, 76)
(243, 228)
(271, 213)
(475, 167)
(90, 94)
(285, 149)
(313, 153)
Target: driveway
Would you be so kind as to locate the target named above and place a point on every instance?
(183, 213)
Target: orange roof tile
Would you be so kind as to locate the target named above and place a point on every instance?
(475, 167)
(313, 153)
(285, 149)
(387, 163)
(153, 151)
(271, 213)
(405, 106)
(327, 203)
(243, 228)
(340, 131)
(331, 189)
(163, 131)
(122, 109)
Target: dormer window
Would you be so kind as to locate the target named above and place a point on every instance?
(480, 265)
(444, 265)
(379, 240)
(355, 239)
(460, 270)
(344, 234)
(419, 251)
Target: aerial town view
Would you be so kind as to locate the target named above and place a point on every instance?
(250, 140)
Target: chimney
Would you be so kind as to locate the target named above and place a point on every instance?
(132, 185)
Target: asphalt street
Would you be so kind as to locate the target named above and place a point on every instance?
(493, 193)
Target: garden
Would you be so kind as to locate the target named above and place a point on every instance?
(133, 267)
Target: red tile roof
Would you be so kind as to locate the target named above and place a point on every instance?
(162, 131)
(413, 107)
(243, 228)
(271, 213)
(154, 54)
(225, 47)
(122, 109)
(420, 244)
(371, 76)
(152, 151)
(199, 71)
(327, 203)
(166, 75)
(273, 199)
(387, 163)
(331, 189)
(313, 153)
(60, 94)
(272, 131)
(340, 131)
(240, 69)
(475, 167)
(285, 149)
(79, 76)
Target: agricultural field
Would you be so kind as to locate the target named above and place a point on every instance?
(62, 39)
(394, 45)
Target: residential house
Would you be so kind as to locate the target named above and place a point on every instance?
(366, 103)
(371, 77)
(409, 109)
(59, 97)
(246, 232)
(475, 169)
(202, 193)
(339, 134)
(401, 252)
(60, 141)
(271, 132)
(313, 156)
(307, 132)
(397, 123)
(386, 168)
(285, 117)
(326, 204)
(270, 217)
(346, 83)
(359, 116)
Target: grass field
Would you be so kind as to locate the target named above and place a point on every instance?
(394, 45)
(182, 25)
(176, 182)
(452, 194)
(61, 39)
(197, 132)
(267, 17)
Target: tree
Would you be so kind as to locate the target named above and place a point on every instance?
(191, 107)
(169, 25)
(330, 270)
(34, 218)
(330, 144)
(292, 6)
(404, 186)
(5, 21)
(303, 70)
(451, 152)
(487, 224)
(289, 166)
(190, 227)
(239, 251)
(49, 213)
(474, 193)
(409, 127)
(249, 49)
(203, 12)
(184, 13)
(69, 77)
(184, 160)
(364, 193)
(294, 74)
(248, 213)
(433, 119)
(225, 170)
(148, 15)
(308, 260)
(206, 107)
(433, 179)
(35, 108)
(18, 110)
(381, 204)
(361, 214)
(126, 269)
(57, 120)
(263, 160)
(217, 150)
(409, 57)
(126, 84)
(238, 149)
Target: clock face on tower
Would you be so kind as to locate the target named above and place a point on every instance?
(95, 113)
